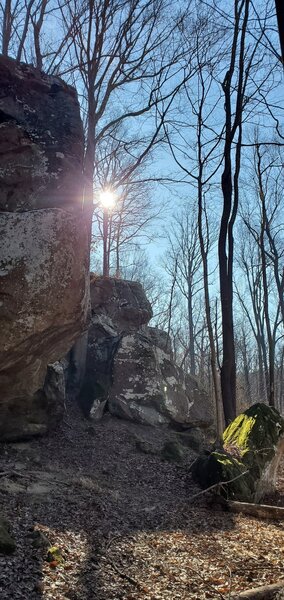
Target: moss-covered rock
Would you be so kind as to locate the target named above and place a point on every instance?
(218, 467)
(253, 445)
(255, 434)
(7, 543)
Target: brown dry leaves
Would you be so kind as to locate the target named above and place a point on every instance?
(123, 525)
(201, 564)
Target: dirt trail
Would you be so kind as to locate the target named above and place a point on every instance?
(120, 516)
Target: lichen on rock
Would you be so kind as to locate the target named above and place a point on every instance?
(44, 244)
(253, 446)
(130, 369)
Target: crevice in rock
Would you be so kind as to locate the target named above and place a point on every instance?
(4, 118)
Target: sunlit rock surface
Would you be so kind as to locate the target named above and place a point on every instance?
(41, 140)
(43, 241)
(129, 364)
(149, 388)
(253, 446)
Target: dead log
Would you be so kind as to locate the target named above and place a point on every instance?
(262, 511)
(266, 592)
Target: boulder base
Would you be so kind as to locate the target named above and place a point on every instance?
(253, 446)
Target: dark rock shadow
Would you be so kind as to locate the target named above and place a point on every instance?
(118, 494)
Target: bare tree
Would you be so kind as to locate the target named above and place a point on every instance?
(198, 157)
(183, 264)
(251, 301)
(25, 27)
(280, 20)
(134, 203)
(265, 227)
(126, 59)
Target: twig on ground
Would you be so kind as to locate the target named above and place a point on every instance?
(13, 473)
(230, 590)
(211, 587)
(216, 485)
(131, 580)
(262, 511)
(191, 464)
(32, 476)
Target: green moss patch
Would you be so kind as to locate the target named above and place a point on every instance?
(54, 555)
(250, 443)
(259, 426)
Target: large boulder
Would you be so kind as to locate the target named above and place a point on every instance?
(41, 140)
(129, 366)
(149, 388)
(253, 446)
(44, 241)
(124, 303)
(117, 306)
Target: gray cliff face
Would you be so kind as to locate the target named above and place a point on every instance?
(41, 140)
(129, 367)
(44, 254)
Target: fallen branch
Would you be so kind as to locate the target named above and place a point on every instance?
(261, 511)
(209, 586)
(124, 575)
(14, 474)
(266, 592)
(215, 486)
(33, 476)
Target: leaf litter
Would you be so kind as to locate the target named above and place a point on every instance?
(121, 521)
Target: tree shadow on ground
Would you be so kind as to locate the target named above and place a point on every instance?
(120, 516)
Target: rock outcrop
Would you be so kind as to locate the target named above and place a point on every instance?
(117, 306)
(253, 446)
(149, 388)
(130, 367)
(124, 303)
(44, 239)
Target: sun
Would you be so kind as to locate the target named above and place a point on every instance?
(107, 199)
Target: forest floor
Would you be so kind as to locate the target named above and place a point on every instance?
(122, 520)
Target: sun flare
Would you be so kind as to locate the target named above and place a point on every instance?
(107, 199)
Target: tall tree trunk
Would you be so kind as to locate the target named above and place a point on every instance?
(7, 27)
(192, 364)
(105, 244)
(271, 342)
(261, 380)
(228, 368)
(246, 368)
(230, 176)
